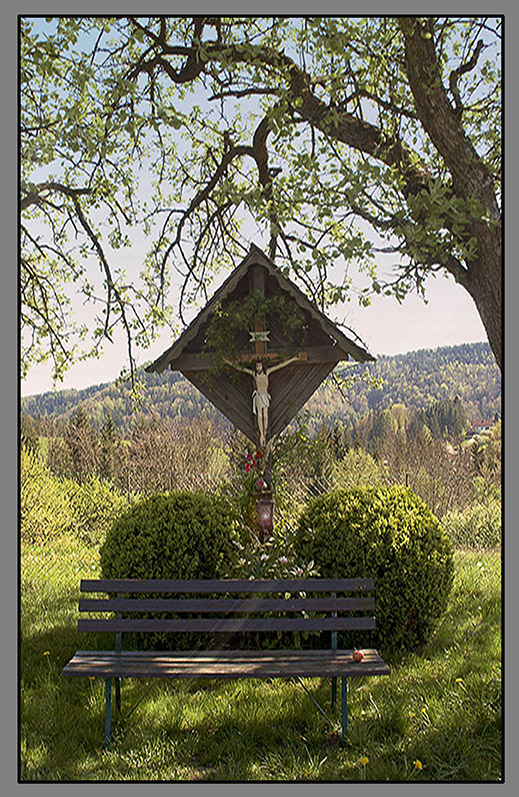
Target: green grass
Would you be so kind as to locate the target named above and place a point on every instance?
(440, 707)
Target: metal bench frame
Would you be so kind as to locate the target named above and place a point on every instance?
(299, 606)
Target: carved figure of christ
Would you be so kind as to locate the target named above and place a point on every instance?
(261, 396)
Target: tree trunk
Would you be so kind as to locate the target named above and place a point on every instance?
(471, 180)
(484, 285)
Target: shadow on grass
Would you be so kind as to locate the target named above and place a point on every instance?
(437, 716)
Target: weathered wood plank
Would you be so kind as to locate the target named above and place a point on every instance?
(229, 585)
(223, 654)
(225, 664)
(257, 277)
(225, 625)
(234, 400)
(314, 354)
(292, 390)
(223, 605)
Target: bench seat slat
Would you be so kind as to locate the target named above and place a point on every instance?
(229, 585)
(224, 664)
(219, 605)
(225, 625)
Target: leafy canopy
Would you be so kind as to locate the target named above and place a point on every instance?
(336, 138)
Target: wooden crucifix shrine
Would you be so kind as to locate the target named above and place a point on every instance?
(261, 390)
(289, 387)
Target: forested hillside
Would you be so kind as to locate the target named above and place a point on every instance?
(417, 380)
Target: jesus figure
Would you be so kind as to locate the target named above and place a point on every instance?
(261, 396)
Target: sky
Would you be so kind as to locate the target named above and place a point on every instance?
(385, 327)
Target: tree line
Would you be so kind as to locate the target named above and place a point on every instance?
(417, 379)
(428, 450)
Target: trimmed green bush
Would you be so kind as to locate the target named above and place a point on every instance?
(178, 535)
(388, 534)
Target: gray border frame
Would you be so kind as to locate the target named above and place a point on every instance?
(9, 388)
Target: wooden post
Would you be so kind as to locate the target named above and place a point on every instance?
(108, 711)
(257, 279)
(334, 647)
(257, 283)
(344, 709)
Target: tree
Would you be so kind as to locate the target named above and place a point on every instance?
(109, 445)
(339, 137)
(29, 433)
(82, 441)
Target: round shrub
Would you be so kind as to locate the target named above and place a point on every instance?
(388, 534)
(178, 535)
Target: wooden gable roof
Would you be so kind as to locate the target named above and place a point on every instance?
(291, 387)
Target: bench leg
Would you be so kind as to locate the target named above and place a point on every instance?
(344, 708)
(108, 711)
(118, 694)
(334, 647)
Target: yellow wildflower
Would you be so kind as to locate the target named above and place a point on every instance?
(364, 760)
(418, 764)
(46, 652)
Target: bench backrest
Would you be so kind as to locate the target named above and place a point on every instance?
(229, 606)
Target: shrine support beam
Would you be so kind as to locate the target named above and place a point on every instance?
(315, 354)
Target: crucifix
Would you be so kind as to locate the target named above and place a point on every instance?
(324, 343)
(260, 395)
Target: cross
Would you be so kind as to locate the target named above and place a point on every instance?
(259, 336)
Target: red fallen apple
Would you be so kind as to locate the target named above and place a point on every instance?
(358, 655)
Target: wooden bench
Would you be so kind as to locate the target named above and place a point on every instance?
(227, 607)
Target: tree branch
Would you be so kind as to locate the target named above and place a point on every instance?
(439, 118)
(34, 197)
(461, 70)
(193, 66)
(204, 193)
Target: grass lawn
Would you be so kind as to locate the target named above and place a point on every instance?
(437, 717)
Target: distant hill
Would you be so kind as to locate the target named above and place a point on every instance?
(416, 379)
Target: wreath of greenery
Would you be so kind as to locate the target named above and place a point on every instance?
(232, 318)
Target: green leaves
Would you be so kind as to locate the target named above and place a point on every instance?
(388, 534)
(118, 105)
(233, 320)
